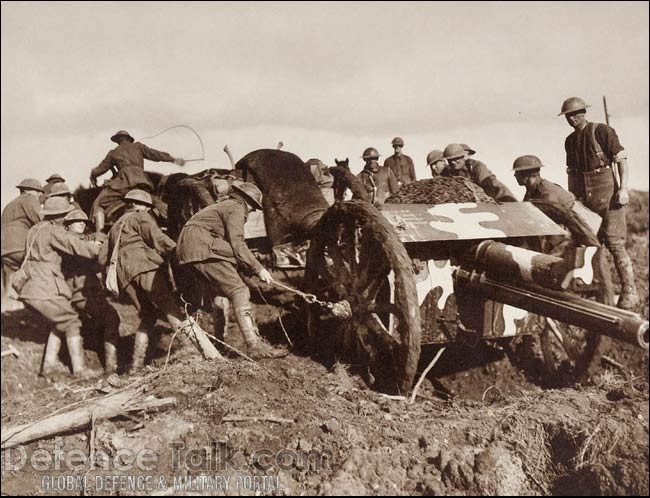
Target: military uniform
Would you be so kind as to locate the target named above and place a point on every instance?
(18, 217)
(402, 167)
(46, 291)
(379, 185)
(212, 243)
(550, 192)
(128, 158)
(481, 175)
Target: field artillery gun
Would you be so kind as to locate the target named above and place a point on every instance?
(432, 273)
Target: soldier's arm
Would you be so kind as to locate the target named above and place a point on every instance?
(67, 243)
(234, 227)
(104, 253)
(155, 237)
(155, 155)
(616, 154)
(102, 167)
(488, 182)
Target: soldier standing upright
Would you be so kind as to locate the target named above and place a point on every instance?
(400, 164)
(598, 175)
(379, 182)
(212, 244)
(128, 158)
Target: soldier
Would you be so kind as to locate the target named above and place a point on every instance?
(62, 190)
(461, 165)
(46, 290)
(49, 183)
(88, 296)
(400, 164)
(527, 173)
(17, 218)
(128, 158)
(140, 253)
(598, 175)
(437, 162)
(380, 183)
(212, 244)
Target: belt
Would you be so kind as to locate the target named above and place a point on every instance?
(579, 172)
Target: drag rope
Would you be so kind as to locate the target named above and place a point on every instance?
(189, 128)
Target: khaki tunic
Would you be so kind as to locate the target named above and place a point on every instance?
(18, 217)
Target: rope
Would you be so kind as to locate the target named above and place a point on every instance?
(189, 128)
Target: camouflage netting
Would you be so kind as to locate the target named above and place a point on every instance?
(440, 190)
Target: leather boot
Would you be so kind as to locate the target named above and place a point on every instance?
(257, 346)
(110, 358)
(139, 351)
(629, 296)
(51, 364)
(77, 358)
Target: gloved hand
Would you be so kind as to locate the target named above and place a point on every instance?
(265, 276)
(179, 161)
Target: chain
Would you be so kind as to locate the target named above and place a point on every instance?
(342, 309)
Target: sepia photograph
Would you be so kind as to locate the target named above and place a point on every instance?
(325, 248)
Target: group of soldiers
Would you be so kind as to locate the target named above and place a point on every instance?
(52, 261)
(597, 177)
(55, 261)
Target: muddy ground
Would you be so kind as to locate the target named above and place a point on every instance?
(479, 426)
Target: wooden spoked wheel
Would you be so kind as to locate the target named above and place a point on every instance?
(356, 256)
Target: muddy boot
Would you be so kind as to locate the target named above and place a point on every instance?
(257, 346)
(139, 351)
(77, 358)
(110, 358)
(629, 297)
(51, 364)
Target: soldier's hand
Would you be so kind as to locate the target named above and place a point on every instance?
(265, 276)
(179, 161)
(93, 181)
(622, 197)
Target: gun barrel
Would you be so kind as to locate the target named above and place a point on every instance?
(563, 306)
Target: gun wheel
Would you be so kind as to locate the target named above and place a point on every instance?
(356, 256)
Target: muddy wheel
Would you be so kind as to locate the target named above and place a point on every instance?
(557, 354)
(356, 256)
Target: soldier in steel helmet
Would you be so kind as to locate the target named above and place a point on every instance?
(212, 246)
(460, 164)
(140, 248)
(379, 182)
(18, 217)
(598, 176)
(128, 160)
(52, 180)
(88, 296)
(437, 162)
(527, 172)
(45, 289)
(60, 189)
(400, 164)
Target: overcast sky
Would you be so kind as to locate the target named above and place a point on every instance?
(328, 79)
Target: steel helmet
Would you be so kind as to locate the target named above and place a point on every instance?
(30, 184)
(573, 104)
(397, 141)
(468, 149)
(434, 156)
(55, 176)
(525, 163)
(139, 197)
(74, 216)
(59, 189)
(56, 205)
(122, 133)
(250, 193)
(370, 153)
(454, 151)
